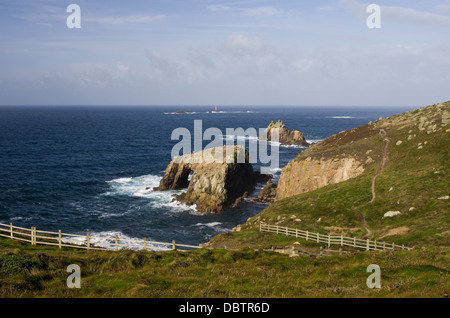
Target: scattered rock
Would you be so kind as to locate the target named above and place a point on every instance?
(396, 231)
(411, 209)
(445, 197)
(236, 229)
(391, 214)
(268, 193)
(369, 160)
(398, 143)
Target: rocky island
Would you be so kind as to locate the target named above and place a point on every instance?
(214, 184)
(286, 136)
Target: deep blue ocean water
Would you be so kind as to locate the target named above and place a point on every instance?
(82, 169)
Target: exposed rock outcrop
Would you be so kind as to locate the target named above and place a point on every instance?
(285, 136)
(214, 184)
(310, 174)
(268, 193)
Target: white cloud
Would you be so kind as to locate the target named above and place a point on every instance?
(443, 7)
(265, 11)
(326, 8)
(117, 20)
(400, 14)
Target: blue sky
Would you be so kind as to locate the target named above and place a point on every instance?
(207, 52)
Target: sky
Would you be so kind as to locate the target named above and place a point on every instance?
(211, 52)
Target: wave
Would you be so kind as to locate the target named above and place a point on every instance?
(210, 112)
(230, 112)
(239, 137)
(313, 141)
(142, 187)
(217, 226)
(340, 117)
(106, 239)
(210, 224)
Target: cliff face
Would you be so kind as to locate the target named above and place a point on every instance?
(338, 158)
(310, 174)
(285, 136)
(213, 185)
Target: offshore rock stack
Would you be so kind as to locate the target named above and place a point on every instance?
(214, 184)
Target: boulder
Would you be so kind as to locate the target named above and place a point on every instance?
(268, 193)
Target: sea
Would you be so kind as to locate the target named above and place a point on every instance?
(92, 168)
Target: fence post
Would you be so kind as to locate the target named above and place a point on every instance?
(375, 245)
(145, 244)
(59, 238)
(173, 245)
(11, 230)
(367, 247)
(342, 241)
(384, 245)
(329, 240)
(31, 236)
(317, 237)
(287, 231)
(117, 242)
(277, 229)
(306, 234)
(393, 246)
(296, 232)
(354, 241)
(260, 226)
(88, 240)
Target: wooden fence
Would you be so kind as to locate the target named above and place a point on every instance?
(332, 239)
(60, 239)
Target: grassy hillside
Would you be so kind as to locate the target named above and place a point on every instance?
(414, 182)
(30, 271)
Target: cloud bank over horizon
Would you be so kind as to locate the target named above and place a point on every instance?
(209, 52)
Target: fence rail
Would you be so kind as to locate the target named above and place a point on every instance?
(89, 242)
(332, 239)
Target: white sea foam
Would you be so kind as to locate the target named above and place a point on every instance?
(217, 226)
(210, 224)
(106, 239)
(310, 141)
(230, 112)
(142, 187)
(178, 113)
(274, 170)
(340, 117)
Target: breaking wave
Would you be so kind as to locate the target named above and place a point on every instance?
(142, 187)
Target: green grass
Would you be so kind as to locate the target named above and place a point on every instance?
(219, 273)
